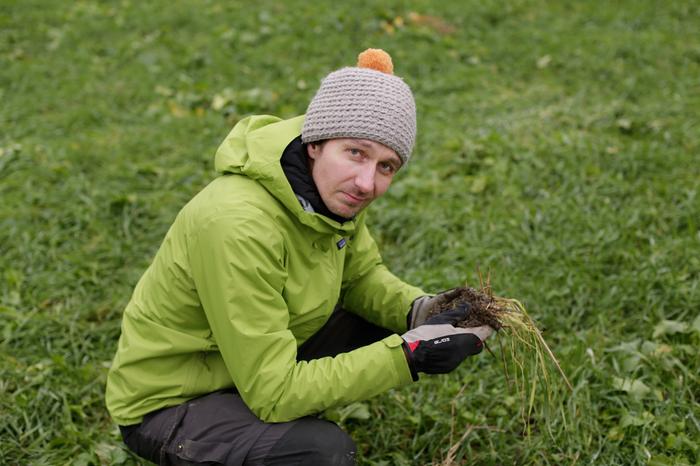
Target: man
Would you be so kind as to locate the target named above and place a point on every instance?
(268, 302)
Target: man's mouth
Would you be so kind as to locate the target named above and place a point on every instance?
(354, 199)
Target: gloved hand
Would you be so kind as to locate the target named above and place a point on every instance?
(437, 347)
(423, 306)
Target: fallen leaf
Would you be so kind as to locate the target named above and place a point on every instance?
(478, 185)
(631, 420)
(432, 22)
(624, 124)
(544, 61)
(358, 411)
(177, 110)
(633, 387)
(696, 324)
(388, 27)
(669, 327)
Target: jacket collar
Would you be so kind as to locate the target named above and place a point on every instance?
(254, 147)
(295, 164)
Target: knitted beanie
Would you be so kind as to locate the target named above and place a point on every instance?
(364, 102)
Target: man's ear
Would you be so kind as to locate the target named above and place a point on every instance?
(313, 149)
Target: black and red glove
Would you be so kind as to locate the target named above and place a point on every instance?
(438, 347)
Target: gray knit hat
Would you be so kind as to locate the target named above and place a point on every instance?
(366, 102)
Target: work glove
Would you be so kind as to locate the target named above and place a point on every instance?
(423, 306)
(438, 347)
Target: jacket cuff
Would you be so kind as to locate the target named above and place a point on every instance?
(409, 360)
(401, 364)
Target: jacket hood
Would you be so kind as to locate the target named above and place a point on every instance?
(254, 147)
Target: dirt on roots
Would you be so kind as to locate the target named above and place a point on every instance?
(485, 310)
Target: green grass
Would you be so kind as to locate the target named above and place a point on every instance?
(558, 148)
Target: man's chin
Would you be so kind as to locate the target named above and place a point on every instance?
(347, 211)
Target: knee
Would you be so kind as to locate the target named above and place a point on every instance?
(317, 442)
(332, 445)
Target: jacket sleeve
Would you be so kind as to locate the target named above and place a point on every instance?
(238, 266)
(370, 289)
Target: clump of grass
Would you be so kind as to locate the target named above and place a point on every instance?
(526, 357)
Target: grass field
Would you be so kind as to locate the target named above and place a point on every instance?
(558, 149)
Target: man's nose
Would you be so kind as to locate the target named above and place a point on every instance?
(364, 180)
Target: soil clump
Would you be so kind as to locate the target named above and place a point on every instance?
(485, 310)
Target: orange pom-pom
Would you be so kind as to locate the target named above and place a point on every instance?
(376, 59)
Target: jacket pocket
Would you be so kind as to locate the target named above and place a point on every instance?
(150, 438)
(203, 452)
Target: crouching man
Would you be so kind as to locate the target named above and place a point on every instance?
(268, 302)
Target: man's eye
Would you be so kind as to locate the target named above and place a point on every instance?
(354, 151)
(387, 168)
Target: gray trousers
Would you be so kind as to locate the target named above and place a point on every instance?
(219, 429)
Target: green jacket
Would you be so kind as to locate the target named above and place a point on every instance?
(243, 277)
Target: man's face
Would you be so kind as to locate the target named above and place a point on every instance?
(351, 173)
